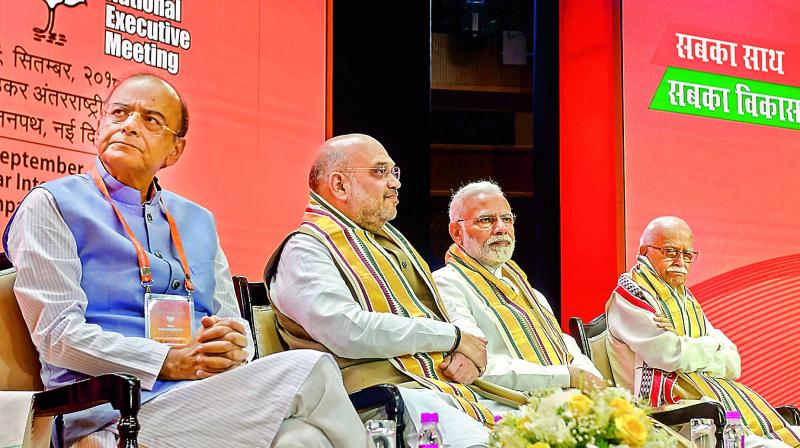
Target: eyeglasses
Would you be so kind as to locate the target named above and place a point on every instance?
(153, 122)
(489, 221)
(380, 171)
(672, 253)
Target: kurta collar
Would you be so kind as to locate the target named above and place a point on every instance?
(123, 193)
(499, 274)
(499, 271)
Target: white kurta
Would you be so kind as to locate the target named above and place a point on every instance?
(633, 340)
(247, 405)
(309, 289)
(466, 309)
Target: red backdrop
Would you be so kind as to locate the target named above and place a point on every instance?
(591, 179)
(253, 73)
(734, 182)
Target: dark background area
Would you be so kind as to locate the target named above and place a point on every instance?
(431, 86)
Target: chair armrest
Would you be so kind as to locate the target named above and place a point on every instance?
(386, 396)
(684, 414)
(577, 331)
(789, 413)
(121, 390)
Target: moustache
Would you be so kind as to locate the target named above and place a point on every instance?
(678, 269)
(499, 239)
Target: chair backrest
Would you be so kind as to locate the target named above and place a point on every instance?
(254, 304)
(19, 360)
(268, 340)
(249, 294)
(591, 339)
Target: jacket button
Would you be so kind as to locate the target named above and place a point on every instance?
(157, 254)
(149, 217)
(176, 284)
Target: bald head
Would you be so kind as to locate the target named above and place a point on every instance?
(353, 173)
(665, 242)
(336, 154)
(183, 126)
(661, 225)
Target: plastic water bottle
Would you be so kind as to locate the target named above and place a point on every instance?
(733, 432)
(429, 435)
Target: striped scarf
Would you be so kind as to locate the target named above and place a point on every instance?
(688, 319)
(379, 286)
(529, 330)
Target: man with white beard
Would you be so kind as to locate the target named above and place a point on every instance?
(488, 295)
(347, 282)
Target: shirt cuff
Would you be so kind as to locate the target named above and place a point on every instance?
(447, 332)
(148, 379)
(561, 377)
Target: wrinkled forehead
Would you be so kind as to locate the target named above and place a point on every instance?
(480, 204)
(148, 94)
(677, 236)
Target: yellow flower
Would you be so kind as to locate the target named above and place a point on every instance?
(538, 445)
(631, 430)
(521, 422)
(621, 406)
(580, 404)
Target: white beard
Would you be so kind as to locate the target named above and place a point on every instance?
(487, 255)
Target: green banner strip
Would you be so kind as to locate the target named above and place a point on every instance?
(728, 98)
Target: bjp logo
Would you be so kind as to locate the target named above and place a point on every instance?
(47, 33)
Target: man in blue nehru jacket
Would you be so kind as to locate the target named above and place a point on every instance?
(116, 274)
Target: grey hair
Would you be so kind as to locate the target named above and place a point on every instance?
(656, 225)
(327, 162)
(334, 155)
(481, 186)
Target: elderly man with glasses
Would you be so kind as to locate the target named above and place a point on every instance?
(662, 346)
(116, 274)
(348, 283)
(488, 295)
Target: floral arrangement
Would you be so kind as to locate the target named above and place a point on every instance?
(556, 418)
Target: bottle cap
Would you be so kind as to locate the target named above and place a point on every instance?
(429, 417)
(732, 415)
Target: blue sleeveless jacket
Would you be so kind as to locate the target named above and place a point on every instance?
(110, 272)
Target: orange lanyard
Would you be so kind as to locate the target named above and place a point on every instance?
(145, 273)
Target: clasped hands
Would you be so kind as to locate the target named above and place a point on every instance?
(663, 323)
(467, 361)
(218, 347)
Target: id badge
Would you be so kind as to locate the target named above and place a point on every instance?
(169, 319)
